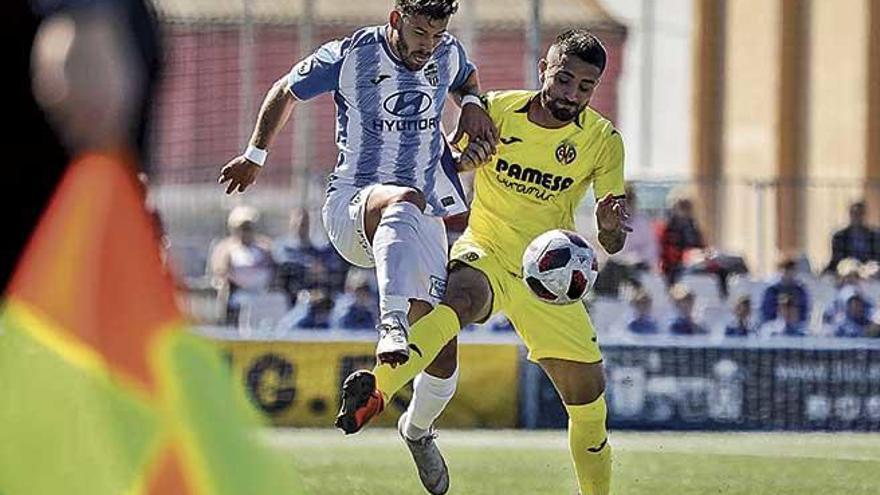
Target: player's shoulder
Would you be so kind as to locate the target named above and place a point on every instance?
(504, 101)
(597, 127)
(363, 38)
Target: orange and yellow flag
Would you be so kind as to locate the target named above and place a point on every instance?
(102, 389)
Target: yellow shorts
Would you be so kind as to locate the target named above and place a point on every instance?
(548, 331)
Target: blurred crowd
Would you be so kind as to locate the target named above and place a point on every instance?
(665, 281)
(669, 282)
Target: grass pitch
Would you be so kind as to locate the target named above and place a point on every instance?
(484, 462)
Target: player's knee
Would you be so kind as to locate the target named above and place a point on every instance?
(469, 295)
(409, 195)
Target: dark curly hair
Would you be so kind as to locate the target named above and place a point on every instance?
(584, 45)
(432, 9)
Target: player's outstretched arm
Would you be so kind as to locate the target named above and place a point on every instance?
(612, 217)
(474, 120)
(275, 111)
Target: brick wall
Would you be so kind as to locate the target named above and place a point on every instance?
(200, 106)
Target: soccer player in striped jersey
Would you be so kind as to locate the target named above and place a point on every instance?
(554, 147)
(394, 179)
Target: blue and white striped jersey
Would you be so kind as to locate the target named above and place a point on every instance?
(388, 116)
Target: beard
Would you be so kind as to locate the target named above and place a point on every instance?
(563, 111)
(406, 55)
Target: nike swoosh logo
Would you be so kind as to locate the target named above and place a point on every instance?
(379, 78)
(600, 447)
(416, 349)
(511, 140)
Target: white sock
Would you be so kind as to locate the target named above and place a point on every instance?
(395, 249)
(430, 396)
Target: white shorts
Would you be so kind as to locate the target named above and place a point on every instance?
(343, 217)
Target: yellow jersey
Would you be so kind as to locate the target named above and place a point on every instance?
(539, 176)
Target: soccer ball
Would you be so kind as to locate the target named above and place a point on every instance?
(559, 267)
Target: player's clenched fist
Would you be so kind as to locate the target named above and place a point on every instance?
(477, 153)
(240, 173)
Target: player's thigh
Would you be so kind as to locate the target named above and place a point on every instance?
(551, 331)
(576, 382)
(384, 195)
(343, 219)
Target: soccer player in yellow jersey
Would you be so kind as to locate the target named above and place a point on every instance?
(553, 147)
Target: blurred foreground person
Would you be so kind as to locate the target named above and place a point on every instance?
(82, 80)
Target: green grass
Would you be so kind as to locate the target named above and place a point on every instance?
(525, 462)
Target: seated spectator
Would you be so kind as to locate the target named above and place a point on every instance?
(858, 318)
(302, 265)
(312, 312)
(356, 308)
(679, 234)
(849, 277)
(857, 240)
(497, 323)
(240, 264)
(643, 321)
(641, 252)
(683, 323)
(786, 284)
(742, 325)
(788, 322)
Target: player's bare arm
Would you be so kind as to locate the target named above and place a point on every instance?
(275, 111)
(612, 217)
(474, 120)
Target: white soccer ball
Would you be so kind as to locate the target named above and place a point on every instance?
(559, 267)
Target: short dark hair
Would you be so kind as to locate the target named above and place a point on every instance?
(584, 44)
(432, 9)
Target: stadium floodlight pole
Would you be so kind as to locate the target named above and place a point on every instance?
(246, 74)
(534, 53)
(468, 19)
(302, 146)
(646, 85)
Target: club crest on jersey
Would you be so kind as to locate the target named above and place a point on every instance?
(431, 74)
(565, 153)
(306, 66)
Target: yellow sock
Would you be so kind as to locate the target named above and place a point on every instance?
(590, 450)
(426, 337)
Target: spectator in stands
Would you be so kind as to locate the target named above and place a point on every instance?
(788, 322)
(857, 240)
(786, 284)
(316, 311)
(870, 271)
(241, 264)
(858, 319)
(356, 308)
(849, 277)
(302, 265)
(684, 323)
(742, 325)
(500, 323)
(641, 252)
(643, 322)
(680, 233)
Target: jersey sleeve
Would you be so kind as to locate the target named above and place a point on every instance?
(319, 72)
(465, 67)
(609, 175)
